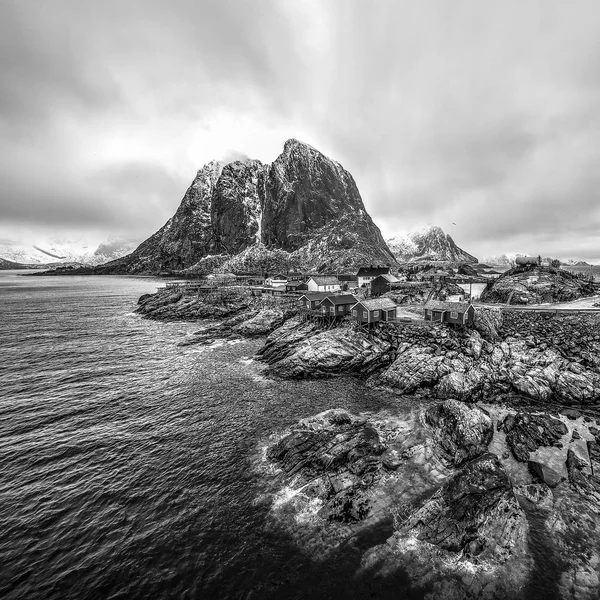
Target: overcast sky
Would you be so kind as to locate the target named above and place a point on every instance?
(485, 114)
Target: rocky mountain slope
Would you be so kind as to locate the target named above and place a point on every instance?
(303, 211)
(428, 244)
(536, 285)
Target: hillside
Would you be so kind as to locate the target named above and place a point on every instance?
(303, 211)
(536, 285)
(427, 245)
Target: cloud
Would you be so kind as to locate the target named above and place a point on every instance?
(486, 115)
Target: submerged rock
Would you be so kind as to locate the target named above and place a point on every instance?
(463, 432)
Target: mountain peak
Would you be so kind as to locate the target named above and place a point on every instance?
(430, 243)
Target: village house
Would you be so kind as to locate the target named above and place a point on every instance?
(276, 280)
(366, 274)
(375, 310)
(456, 313)
(382, 284)
(292, 286)
(323, 283)
(338, 305)
(312, 300)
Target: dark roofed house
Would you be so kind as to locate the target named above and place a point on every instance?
(337, 305)
(374, 310)
(456, 313)
(366, 274)
(312, 300)
(292, 286)
(382, 284)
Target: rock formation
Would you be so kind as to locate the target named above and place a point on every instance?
(304, 211)
(532, 284)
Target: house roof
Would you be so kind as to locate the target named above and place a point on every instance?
(341, 299)
(279, 276)
(345, 277)
(372, 271)
(292, 284)
(314, 295)
(388, 277)
(378, 304)
(441, 305)
(325, 279)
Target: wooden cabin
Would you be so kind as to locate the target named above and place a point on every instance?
(323, 283)
(337, 305)
(312, 300)
(292, 286)
(366, 274)
(382, 284)
(374, 310)
(455, 313)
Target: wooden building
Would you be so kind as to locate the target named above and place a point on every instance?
(312, 300)
(366, 274)
(276, 280)
(455, 313)
(292, 286)
(373, 311)
(323, 283)
(337, 305)
(382, 284)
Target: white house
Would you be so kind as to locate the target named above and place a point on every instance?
(276, 280)
(367, 274)
(324, 283)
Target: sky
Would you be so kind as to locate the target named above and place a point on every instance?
(480, 117)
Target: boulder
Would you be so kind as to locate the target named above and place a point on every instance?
(463, 432)
(537, 493)
(526, 432)
(475, 513)
(544, 474)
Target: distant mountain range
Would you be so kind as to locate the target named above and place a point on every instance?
(302, 212)
(48, 252)
(430, 244)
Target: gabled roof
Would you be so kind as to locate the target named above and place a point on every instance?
(341, 299)
(325, 279)
(442, 305)
(279, 288)
(388, 277)
(372, 271)
(293, 283)
(279, 276)
(315, 295)
(345, 277)
(378, 304)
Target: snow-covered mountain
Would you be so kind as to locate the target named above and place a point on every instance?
(428, 244)
(44, 251)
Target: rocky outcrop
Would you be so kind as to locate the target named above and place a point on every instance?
(533, 284)
(463, 432)
(526, 432)
(429, 244)
(300, 350)
(475, 513)
(338, 455)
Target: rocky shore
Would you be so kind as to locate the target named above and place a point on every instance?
(470, 505)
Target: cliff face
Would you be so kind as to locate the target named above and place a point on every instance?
(184, 239)
(236, 207)
(429, 244)
(304, 211)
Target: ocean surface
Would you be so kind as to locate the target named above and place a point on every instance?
(126, 462)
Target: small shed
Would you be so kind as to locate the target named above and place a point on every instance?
(323, 283)
(338, 305)
(366, 274)
(374, 310)
(312, 300)
(292, 286)
(456, 313)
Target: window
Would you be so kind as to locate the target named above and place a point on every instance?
(453, 314)
(332, 309)
(324, 309)
(376, 313)
(365, 314)
(340, 308)
(354, 313)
